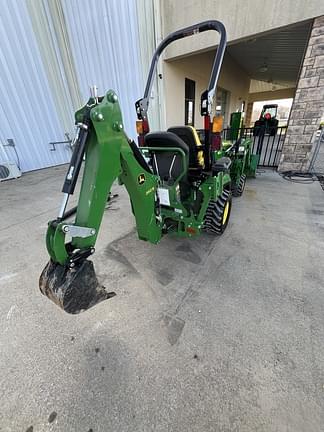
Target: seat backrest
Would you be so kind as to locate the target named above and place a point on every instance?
(169, 165)
(189, 135)
(165, 139)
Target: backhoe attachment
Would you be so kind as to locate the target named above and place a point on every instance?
(69, 278)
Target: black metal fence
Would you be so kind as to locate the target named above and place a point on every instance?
(267, 144)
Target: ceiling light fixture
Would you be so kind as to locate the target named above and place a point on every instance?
(264, 67)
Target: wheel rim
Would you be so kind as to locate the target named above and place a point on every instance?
(225, 213)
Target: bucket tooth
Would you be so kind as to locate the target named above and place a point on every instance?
(73, 289)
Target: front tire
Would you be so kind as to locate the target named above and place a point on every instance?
(218, 214)
(239, 188)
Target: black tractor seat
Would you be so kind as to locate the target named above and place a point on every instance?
(221, 165)
(189, 135)
(168, 165)
(165, 139)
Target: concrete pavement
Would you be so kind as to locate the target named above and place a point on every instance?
(214, 334)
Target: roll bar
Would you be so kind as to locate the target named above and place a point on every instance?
(207, 97)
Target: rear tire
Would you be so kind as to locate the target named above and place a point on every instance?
(218, 213)
(238, 189)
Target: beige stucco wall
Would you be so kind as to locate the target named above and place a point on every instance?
(198, 67)
(241, 18)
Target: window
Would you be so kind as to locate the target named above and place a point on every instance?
(190, 90)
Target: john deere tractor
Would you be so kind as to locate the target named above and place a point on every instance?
(176, 185)
(268, 122)
(243, 162)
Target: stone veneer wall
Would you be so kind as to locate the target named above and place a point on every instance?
(308, 106)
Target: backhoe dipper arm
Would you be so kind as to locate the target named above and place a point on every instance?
(69, 278)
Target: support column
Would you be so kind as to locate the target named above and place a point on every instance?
(248, 114)
(308, 106)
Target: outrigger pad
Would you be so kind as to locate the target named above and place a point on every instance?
(73, 289)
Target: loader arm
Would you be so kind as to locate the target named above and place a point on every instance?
(69, 278)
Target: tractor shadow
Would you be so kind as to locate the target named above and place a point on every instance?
(169, 270)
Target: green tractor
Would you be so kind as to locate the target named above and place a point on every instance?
(267, 122)
(243, 162)
(176, 185)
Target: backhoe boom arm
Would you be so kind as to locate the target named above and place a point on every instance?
(108, 155)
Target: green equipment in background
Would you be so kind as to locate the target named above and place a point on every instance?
(176, 185)
(235, 125)
(243, 162)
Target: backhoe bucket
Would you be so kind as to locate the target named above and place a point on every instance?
(73, 289)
